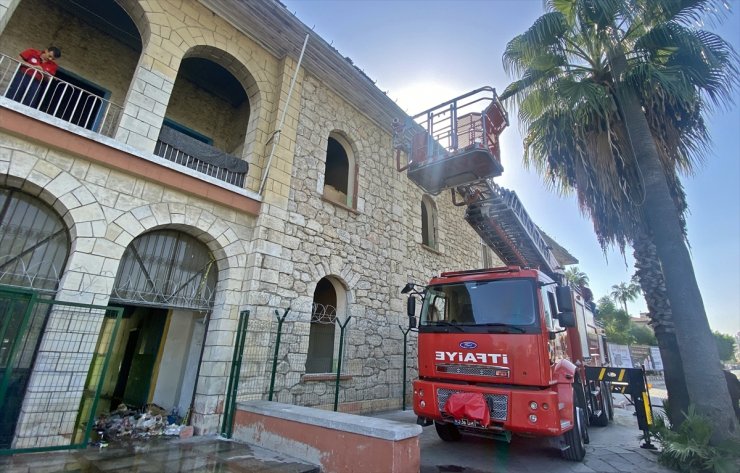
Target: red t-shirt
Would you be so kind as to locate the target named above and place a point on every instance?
(33, 57)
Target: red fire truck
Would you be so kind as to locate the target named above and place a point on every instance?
(501, 351)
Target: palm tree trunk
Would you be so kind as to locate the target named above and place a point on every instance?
(705, 381)
(650, 276)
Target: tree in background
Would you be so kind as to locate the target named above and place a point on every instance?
(576, 277)
(612, 94)
(642, 335)
(725, 346)
(625, 292)
(616, 322)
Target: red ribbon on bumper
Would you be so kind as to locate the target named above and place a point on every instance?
(470, 406)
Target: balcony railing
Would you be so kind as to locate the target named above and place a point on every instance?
(189, 152)
(57, 98)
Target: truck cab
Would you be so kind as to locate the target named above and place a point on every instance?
(503, 335)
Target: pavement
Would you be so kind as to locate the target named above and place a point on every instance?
(615, 448)
(160, 455)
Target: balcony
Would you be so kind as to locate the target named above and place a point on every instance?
(201, 157)
(58, 98)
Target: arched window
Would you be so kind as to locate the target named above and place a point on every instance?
(340, 171)
(428, 222)
(166, 268)
(329, 299)
(34, 243)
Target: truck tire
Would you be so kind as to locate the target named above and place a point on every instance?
(602, 419)
(447, 432)
(574, 437)
(580, 401)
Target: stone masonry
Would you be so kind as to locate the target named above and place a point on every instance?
(267, 260)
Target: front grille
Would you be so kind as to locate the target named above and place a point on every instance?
(498, 404)
(473, 370)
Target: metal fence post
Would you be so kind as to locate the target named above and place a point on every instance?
(227, 426)
(342, 326)
(277, 348)
(405, 347)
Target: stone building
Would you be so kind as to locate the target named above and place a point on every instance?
(176, 169)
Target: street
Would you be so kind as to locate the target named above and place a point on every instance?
(612, 449)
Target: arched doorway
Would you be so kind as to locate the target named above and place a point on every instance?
(34, 246)
(166, 282)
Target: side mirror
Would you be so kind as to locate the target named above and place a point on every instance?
(564, 297)
(567, 319)
(411, 311)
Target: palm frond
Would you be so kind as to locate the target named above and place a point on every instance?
(544, 35)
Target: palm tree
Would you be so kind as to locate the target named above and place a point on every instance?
(625, 292)
(576, 277)
(612, 95)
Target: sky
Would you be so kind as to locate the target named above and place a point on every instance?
(425, 52)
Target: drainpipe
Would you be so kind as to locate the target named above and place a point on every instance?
(276, 135)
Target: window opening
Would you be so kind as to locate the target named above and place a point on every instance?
(166, 268)
(428, 222)
(320, 358)
(34, 243)
(337, 179)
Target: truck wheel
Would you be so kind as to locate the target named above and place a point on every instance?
(580, 401)
(574, 437)
(602, 420)
(447, 432)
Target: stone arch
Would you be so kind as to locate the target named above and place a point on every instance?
(34, 241)
(151, 217)
(138, 15)
(242, 73)
(63, 193)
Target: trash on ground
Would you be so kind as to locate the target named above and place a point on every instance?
(127, 423)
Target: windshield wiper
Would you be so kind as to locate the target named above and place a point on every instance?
(498, 324)
(445, 323)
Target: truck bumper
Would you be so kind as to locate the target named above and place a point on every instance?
(524, 411)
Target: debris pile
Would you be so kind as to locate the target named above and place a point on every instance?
(126, 423)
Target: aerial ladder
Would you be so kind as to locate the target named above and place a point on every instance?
(455, 146)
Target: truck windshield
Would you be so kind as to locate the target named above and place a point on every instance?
(484, 304)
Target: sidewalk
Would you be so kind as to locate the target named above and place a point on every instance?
(197, 454)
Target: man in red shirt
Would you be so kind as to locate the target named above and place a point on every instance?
(37, 69)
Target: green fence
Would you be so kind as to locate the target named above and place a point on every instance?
(53, 361)
(319, 358)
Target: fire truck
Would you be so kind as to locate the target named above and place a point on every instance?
(504, 350)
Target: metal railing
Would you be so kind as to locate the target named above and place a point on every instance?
(269, 363)
(57, 97)
(474, 119)
(171, 153)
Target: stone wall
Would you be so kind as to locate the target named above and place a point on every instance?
(273, 261)
(104, 211)
(372, 251)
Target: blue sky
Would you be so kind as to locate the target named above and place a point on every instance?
(424, 52)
